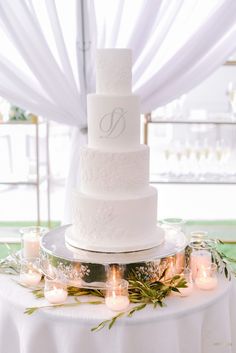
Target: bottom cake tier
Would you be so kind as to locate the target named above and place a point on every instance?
(115, 225)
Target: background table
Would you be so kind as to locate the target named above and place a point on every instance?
(202, 323)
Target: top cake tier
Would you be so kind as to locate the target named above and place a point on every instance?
(114, 71)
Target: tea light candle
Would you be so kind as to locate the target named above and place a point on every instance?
(206, 283)
(31, 245)
(56, 295)
(30, 278)
(199, 258)
(117, 302)
(117, 297)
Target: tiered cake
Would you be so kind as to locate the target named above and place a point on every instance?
(115, 209)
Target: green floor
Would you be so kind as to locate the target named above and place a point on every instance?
(19, 224)
(224, 230)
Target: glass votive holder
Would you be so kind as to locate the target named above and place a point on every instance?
(199, 239)
(199, 258)
(29, 272)
(117, 296)
(187, 275)
(207, 277)
(176, 224)
(55, 291)
(30, 240)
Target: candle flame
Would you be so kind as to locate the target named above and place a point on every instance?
(115, 273)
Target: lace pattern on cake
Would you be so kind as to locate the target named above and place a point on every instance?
(113, 172)
(99, 226)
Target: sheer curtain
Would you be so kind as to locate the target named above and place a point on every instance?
(47, 53)
(46, 63)
(176, 44)
(43, 54)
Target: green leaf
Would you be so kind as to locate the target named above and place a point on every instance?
(163, 274)
(136, 308)
(30, 311)
(94, 302)
(99, 326)
(226, 272)
(113, 320)
(175, 290)
(176, 277)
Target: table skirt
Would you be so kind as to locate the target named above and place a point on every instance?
(202, 323)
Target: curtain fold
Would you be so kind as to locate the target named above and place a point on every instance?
(166, 18)
(29, 41)
(181, 64)
(47, 56)
(85, 51)
(60, 43)
(34, 50)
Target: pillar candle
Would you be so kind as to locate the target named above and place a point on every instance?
(31, 245)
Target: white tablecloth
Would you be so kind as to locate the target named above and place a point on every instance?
(202, 323)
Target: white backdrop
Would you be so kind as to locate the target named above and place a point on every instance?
(47, 53)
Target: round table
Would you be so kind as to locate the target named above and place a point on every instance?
(202, 323)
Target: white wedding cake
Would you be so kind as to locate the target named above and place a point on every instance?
(115, 209)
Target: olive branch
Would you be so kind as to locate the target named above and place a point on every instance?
(145, 293)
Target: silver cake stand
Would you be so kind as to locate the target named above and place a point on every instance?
(90, 269)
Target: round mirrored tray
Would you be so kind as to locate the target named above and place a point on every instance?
(89, 268)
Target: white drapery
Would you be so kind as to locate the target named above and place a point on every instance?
(47, 52)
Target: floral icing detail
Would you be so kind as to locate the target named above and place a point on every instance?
(103, 172)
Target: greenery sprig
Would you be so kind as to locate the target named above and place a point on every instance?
(224, 263)
(32, 310)
(146, 293)
(141, 292)
(72, 292)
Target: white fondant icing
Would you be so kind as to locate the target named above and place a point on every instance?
(113, 122)
(116, 173)
(114, 71)
(115, 225)
(115, 210)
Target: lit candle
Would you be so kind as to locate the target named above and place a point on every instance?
(117, 298)
(206, 277)
(199, 258)
(30, 278)
(206, 283)
(31, 245)
(117, 302)
(56, 295)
